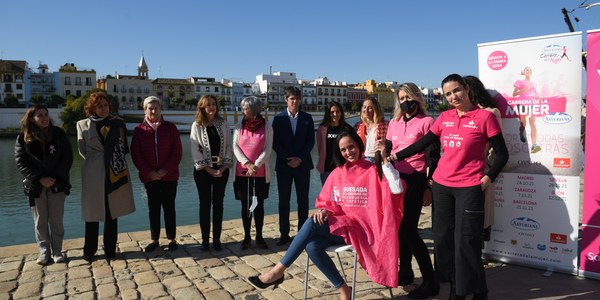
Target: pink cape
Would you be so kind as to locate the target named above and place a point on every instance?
(367, 215)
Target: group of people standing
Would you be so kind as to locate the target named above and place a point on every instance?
(376, 176)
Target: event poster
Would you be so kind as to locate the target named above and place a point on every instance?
(537, 83)
(589, 260)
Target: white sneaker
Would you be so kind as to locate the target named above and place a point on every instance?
(43, 259)
(58, 258)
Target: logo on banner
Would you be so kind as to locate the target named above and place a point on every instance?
(525, 223)
(555, 53)
(527, 245)
(513, 242)
(553, 249)
(541, 247)
(497, 60)
(558, 238)
(562, 162)
(593, 257)
(558, 118)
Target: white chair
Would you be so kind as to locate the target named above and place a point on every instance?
(337, 249)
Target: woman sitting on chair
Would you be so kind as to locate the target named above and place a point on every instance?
(350, 206)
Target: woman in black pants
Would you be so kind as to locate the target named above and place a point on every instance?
(211, 152)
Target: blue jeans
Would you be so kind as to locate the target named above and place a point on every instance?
(315, 238)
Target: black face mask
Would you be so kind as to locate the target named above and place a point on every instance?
(409, 106)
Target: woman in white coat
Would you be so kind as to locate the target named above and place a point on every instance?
(106, 191)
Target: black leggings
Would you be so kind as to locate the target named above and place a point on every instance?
(211, 191)
(411, 242)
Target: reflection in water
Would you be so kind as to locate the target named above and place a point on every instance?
(17, 223)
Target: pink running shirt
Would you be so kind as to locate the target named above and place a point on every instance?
(464, 141)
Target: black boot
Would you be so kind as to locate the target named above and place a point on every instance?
(406, 277)
(425, 290)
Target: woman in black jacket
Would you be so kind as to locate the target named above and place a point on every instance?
(44, 156)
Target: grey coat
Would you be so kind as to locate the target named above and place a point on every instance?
(93, 183)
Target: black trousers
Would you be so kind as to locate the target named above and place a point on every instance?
(244, 190)
(457, 234)
(411, 242)
(211, 191)
(90, 245)
(161, 194)
(301, 178)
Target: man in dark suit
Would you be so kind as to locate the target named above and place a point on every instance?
(293, 140)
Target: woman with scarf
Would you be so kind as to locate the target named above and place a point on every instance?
(44, 156)
(106, 191)
(360, 205)
(372, 126)
(211, 152)
(156, 152)
(252, 144)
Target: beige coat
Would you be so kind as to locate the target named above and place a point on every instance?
(120, 201)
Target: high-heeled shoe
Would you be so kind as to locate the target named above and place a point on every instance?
(425, 290)
(261, 285)
(406, 277)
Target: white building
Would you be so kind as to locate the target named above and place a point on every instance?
(69, 80)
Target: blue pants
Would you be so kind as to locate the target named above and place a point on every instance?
(315, 238)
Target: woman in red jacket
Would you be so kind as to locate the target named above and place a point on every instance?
(156, 152)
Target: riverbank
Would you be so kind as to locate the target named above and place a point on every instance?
(190, 273)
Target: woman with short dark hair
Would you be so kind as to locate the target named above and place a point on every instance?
(106, 191)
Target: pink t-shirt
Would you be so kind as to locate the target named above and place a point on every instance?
(403, 134)
(529, 87)
(464, 141)
(252, 144)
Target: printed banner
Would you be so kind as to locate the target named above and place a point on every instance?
(590, 239)
(537, 84)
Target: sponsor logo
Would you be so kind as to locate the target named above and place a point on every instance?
(527, 234)
(554, 53)
(553, 249)
(448, 124)
(558, 118)
(527, 245)
(499, 241)
(513, 242)
(525, 223)
(593, 257)
(497, 230)
(562, 162)
(567, 250)
(541, 247)
(558, 238)
(497, 60)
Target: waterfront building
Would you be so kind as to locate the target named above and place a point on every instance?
(173, 91)
(42, 82)
(272, 86)
(382, 91)
(356, 96)
(309, 96)
(131, 90)
(330, 91)
(70, 80)
(12, 80)
(233, 92)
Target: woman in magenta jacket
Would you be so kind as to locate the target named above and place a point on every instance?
(156, 152)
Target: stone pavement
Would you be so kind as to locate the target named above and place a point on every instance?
(190, 273)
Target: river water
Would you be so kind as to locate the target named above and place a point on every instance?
(16, 222)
